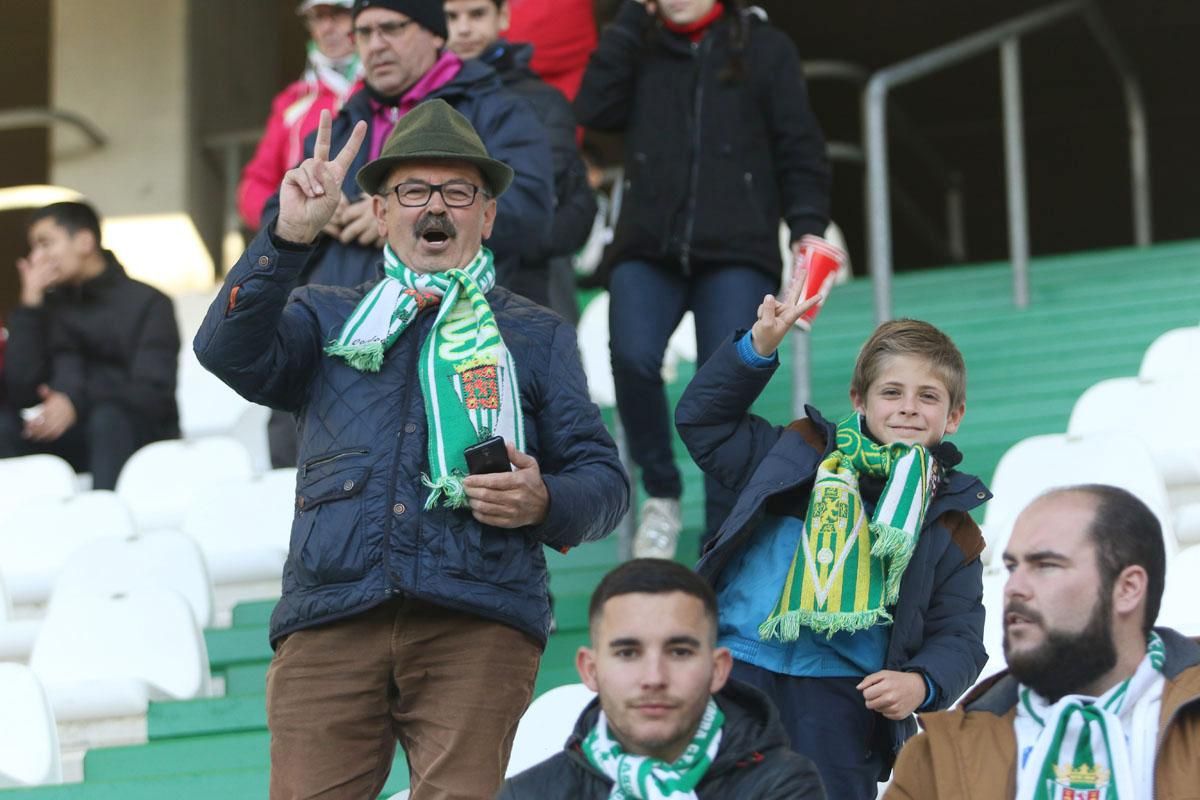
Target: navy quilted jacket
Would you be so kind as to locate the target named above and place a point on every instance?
(360, 534)
(938, 628)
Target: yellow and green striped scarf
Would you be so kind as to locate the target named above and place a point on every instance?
(467, 376)
(847, 571)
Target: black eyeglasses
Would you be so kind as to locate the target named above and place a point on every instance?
(388, 30)
(456, 194)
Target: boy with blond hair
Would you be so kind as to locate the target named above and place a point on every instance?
(848, 572)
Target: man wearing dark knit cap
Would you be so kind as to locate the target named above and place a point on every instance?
(446, 437)
(401, 44)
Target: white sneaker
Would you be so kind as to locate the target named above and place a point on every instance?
(659, 524)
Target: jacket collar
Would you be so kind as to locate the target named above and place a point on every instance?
(998, 694)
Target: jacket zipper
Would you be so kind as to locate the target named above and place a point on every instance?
(700, 53)
(330, 459)
(392, 475)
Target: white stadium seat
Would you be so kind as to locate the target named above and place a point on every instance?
(162, 560)
(1173, 355)
(207, 407)
(244, 526)
(103, 656)
(546, 725)
(1181, 597)
(16, 636)
(1161, 413)
(38, 538)
(1039, 463)
(29, 754)
(25, 479)
(160, 481)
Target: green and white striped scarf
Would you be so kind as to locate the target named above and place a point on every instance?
(1082, 748)
(846, 571)
(467, 375)
(645, 778)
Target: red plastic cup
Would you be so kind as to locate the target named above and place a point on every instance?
(822, 261)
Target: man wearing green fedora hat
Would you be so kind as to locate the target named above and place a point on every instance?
(446, 437)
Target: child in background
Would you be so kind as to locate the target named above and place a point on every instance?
(848, 572)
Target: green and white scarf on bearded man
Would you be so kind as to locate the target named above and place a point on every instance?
(846, 570)
(467, 375)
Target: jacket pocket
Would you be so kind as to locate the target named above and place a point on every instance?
(328, 541)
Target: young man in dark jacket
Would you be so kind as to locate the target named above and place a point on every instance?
(667, 723)
(475, 28)
(401, 44)
(92, 353)
(410, 585)
(848, 571)
(720, 145)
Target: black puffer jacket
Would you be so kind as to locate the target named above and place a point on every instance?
(361, 534)
(711, 164)
(754, 761)
(112, 339)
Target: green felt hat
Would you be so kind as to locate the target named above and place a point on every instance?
(433, 131)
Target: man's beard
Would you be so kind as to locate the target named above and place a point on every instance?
(1065, 662)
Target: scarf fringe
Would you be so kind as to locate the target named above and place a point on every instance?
(786, 627)
(364, 358)
(896, 546)
(448, 490)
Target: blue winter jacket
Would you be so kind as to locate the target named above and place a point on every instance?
(360, 534)
(938, 627)
(511, 131)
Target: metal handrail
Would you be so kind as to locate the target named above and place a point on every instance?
(36, 117)
(1005, 38)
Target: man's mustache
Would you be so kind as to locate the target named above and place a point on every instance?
(434, 223)
(1020, 609)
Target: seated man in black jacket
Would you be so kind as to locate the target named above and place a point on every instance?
(667, 722)
(92, 353)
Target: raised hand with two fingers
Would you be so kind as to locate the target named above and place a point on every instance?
(776, 316)
(310, 193)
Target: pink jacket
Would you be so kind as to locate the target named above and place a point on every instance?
(294, 114)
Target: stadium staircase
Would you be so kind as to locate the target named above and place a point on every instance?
(1091, 317)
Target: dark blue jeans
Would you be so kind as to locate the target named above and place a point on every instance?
(646, 303)
(828, 721)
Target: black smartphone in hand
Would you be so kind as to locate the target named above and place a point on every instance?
(487, 457)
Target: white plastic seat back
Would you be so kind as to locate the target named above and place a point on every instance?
(993, 624)
(1035, 465)
(108, 655)
(163, 559)
(1181, 596)
(244, 526)
(207, 407)
(592, 333)
(28, 479)
(29, 754)
(1160, 413)
(546, 725)
(160, 480)
(1174, 354)
(190, 308)
(37, 540)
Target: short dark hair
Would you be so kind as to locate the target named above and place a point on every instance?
(652, 576)
(1126, 533)
(73, 215)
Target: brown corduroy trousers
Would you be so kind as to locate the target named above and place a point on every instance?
(449, 686)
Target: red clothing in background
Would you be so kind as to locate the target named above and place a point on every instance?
(563, 35)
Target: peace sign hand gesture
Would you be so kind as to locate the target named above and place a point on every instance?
(309, 194)
(776, 317)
